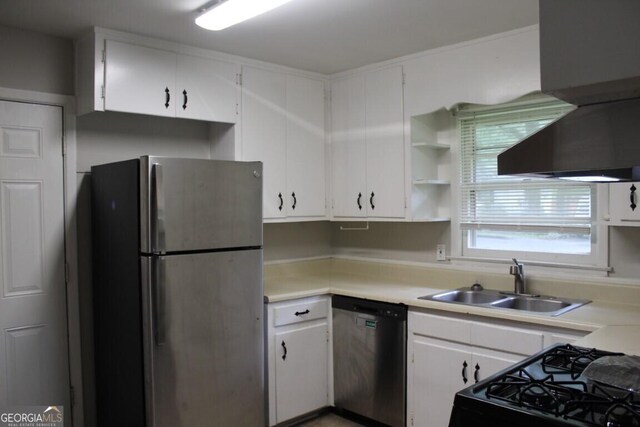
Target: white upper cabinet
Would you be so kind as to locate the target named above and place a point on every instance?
(283, 126)
(139, 79)
(385, 143)
(201, 84)
(134, 77)
(624, 203)
(264, 133)
(368, 145)
(305, 147)
(349, 162)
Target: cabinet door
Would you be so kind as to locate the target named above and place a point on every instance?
(206, 89)
(264, 134)
(301, 370)
(487, 362)
(624, 203)
(385, 144)
(348, 145)
(438, 373)
(305, 147)
(139, 79)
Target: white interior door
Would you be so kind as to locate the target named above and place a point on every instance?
(34, 367)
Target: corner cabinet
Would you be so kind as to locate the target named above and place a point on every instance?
(115, 75)
(297, 357)
(449, 353)
(368, 146)
(283, 126)
(624, 204)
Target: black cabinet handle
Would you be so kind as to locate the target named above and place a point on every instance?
(186, 99)
(284, 356)
(632, 197)
(281, 201)
(167, 97)
(371, 201)
(300, 313)
(358, 201)
(464, 370)
(295, 201)
(476, 373)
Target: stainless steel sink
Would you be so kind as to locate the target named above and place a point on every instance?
(489, 298)
(467, 296)
(532, 304)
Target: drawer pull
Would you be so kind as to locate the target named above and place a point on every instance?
(476, 372)
(300, 313)
(464, 371)
(632, 197)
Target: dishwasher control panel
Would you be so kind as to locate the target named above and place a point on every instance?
(376, 308)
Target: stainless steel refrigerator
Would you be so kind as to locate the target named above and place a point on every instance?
(178, 294)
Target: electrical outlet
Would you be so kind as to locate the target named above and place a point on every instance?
(440, 252)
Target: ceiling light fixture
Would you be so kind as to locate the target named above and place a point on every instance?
(231, 12)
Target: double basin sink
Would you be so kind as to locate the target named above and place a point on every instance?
(479, 297)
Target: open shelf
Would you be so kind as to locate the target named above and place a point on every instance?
(431, 138)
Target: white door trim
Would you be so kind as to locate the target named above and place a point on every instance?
(71, 255)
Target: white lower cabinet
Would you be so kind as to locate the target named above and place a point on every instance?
(298, 357)
(448, 353)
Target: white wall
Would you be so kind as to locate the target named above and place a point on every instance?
(393, 241)
(105, 137)
(34, 61)
(297, 240)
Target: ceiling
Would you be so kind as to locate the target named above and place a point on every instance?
(325, 36)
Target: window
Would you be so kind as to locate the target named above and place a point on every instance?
(506, 216)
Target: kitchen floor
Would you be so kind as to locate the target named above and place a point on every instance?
(329, 420)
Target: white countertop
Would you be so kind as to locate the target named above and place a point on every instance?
(613, 325)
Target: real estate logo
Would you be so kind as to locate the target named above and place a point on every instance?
(32, 416)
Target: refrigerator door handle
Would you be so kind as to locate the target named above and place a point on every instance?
(158, 300)
(158, 217)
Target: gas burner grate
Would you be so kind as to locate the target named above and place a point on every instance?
(544, 394)
(570, 359)
(604, 406)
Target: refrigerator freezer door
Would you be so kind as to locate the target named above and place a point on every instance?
(206, 366)
(192, 205)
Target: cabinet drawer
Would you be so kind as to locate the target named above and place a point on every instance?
(447, 328)
(300, 312)
(503, 338)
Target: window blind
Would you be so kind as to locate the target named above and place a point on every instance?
(498, 201)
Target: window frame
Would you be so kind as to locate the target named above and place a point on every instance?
(596, 262)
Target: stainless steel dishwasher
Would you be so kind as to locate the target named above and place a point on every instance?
(369, 359)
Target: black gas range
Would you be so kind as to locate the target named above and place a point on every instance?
(547, 389)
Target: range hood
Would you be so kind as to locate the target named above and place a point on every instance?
(588, 57)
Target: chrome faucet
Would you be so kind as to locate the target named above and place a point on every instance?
(518, 272)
